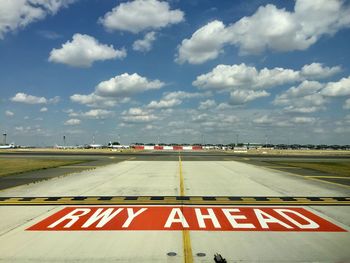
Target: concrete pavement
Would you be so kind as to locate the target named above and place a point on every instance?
(162, 178)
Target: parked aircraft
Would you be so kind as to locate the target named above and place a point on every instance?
(7, 146)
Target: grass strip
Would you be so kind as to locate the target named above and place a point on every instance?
(20, 165)
(333, 168)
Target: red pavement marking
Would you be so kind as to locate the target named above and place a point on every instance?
(192, 218)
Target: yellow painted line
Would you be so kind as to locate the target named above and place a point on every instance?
(320, 176)
(186, 238)
(182, 185)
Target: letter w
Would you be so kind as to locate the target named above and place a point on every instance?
(102, 217)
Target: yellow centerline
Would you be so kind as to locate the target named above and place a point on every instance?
(186, 238)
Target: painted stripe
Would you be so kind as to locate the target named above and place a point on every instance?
(186, 238)
(182, 187)
(175, 200)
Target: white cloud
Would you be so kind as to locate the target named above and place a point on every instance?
(244, 96)
(304, 120)
(245, 83)
(140, 15)
(242, 76)
(346, 105)
(207, 104)
(318, 71)
(181, 95)
(84, 50)
(172, 99)
(305, 98)
(43, 109)
(145, 44)
(9, 113)
(72, 122)
(163, 104)
(93, 100)
(274, 120)
(126, 85)
(339, 88)
(97, 114)
(287, 31)
(138, 115)
(116, 90)
(30, 99)
(17, 14)
(205, 44)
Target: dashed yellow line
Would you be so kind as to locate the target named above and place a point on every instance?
(186, 238)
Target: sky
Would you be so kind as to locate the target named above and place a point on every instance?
(177, 71)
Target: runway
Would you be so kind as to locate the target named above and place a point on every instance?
(188, 181)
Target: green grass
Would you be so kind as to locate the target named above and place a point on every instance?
(20, 165)
(334, 168)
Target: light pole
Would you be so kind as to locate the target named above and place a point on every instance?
(4, 134)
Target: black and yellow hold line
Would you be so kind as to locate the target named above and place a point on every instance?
(176, 200)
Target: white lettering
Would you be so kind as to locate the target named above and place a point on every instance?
(311, 224)
(268, 219)
(72, 216)
(180, 218)
(211, 216)
(232, 218)
(104, 217)
(132, 215)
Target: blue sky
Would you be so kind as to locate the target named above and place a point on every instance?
(178, 70)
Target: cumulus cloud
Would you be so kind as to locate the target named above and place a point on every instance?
(138, 115)
(94, 100)
(244, 96)
(18, 14)
(43, 109)
(205, 44)
(304, 120)
(287, 31)
(139, 15)
(9, 113)
(172, 99)
(30, 99)
(72, 122)
(207, 104)
(145, 44)
(346, 105)
(163, 104)
(83, 51)
(318, 71)
(126, 85)
(245, 83)
(242, 76)
(97, 114)
(305, 98)
(116, 90)
(339, 88)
